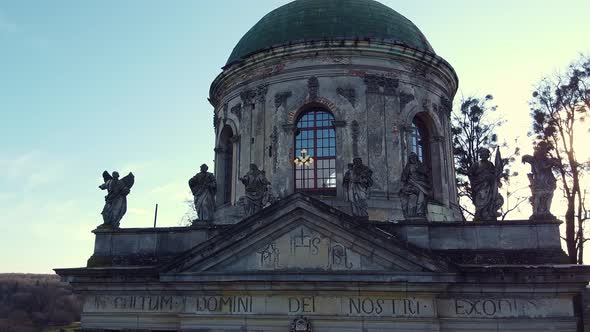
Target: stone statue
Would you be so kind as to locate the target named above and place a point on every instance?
(346, 182)
(203, 186)
(485, 181)
(116, 200)
(357, 185)
(416, 190)
(268, 198)
(542, 181)
(256, 190)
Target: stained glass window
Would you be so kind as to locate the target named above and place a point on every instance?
(316, 136)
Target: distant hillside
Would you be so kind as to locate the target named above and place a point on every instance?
(33, 302)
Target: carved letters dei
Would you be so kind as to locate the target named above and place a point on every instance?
(394, 306)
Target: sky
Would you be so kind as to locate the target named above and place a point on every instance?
(88, 86)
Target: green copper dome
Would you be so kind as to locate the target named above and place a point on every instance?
(306, 20)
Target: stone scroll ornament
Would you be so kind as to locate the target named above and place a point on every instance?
(542, 181)
(258, 193)
(357, 182)
(484, 177)
(416, 190)
(203, 186)
(115, 205)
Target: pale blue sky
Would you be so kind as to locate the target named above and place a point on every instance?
(122, 85)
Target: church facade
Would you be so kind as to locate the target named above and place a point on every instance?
(311, 87)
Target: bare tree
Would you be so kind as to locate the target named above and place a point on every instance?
(473, 128)
(190, 215)
(559, 108)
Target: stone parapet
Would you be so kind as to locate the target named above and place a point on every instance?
(146, 246)
(507, 235)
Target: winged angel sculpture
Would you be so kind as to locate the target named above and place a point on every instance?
(116, 200)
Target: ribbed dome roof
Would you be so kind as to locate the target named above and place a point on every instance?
(306, 20)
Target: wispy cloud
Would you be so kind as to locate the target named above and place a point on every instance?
(29, 170)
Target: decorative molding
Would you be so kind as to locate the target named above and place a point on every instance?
(237, 111)
(420, 70)
(281, 99)
(261, 91)
(247, 97)
(404, 99)
(313, 86)
(349, 94)
(379, 84)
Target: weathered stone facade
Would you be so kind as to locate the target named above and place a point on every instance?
(303, 258)
(379, 93)
(301, 261)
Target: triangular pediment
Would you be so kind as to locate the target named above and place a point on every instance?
(305, 247)
(301, 234)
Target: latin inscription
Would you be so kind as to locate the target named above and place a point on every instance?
(351, 306)
(504, 307)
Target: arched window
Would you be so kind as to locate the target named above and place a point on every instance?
(315, 137)
(418, 139)
(226, 164)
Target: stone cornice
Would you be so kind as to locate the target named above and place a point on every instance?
(435, 63)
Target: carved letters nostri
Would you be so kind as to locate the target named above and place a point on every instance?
(349, 94)
(355, 138)
(381, 85)
(313, 86)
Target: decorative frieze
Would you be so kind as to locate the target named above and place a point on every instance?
(378, 84)
(247, 97)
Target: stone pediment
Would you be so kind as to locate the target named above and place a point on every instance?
(301, 234)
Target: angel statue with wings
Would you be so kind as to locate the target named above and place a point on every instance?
(116, 200)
